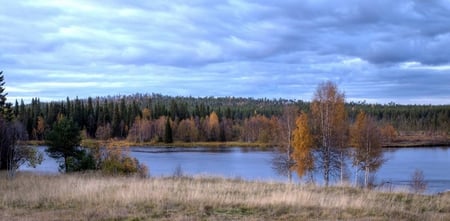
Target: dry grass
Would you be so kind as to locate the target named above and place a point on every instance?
(96, 197)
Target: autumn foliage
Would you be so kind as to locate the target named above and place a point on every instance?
(329, 128)
(302, 142)
(114, 159)
(388, 133)
(366, 139)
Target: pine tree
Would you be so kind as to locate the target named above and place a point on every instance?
(6, 110)
(91, 119)
(116, 130)
(168, 138)
(63, 142)
(2, 90)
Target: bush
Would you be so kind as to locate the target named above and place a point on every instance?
(418, 184)
(123, 166)
(115, 160)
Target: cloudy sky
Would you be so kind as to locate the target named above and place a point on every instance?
(377, 51)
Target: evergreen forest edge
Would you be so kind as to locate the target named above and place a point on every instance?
(115, 116)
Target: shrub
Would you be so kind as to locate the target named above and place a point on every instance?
(115, 160)
(418, 184)
(84, 160)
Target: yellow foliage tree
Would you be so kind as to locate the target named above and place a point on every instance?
(40, 128)
(213, 127)
(187, 130)
(302, 142)
(146, 114)
(388, 133)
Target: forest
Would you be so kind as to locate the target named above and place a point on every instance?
(147, 117)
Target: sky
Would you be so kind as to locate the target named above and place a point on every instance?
(375, 51)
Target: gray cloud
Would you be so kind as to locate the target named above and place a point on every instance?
(233, 48)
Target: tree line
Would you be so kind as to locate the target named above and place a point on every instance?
(144, 117)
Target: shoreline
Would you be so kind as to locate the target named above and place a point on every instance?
(419, 139)
(401, 142)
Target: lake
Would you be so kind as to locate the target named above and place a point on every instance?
(255, 164)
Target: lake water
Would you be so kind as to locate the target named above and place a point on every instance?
(255, 164)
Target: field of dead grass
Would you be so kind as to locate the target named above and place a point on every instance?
(97, 197)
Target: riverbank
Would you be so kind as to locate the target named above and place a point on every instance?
(404, 139)
(96, 197)
(126, 143)
(420, 139)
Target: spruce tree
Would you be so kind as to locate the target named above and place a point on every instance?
(168, 132)
(2, 89)
(6, 110)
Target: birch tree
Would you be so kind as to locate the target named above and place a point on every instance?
(329, 129)
(283, 162)
(366, 139)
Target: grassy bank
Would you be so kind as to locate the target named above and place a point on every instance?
(95, 197)
(416, 139)
(126, 143)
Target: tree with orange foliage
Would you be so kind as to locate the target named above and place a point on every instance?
(388, 133)
(302, 143)
(40, 128)
(259, 128)
(213, 127)
(187, 130)
(329, 127)
(141, 130)
(146, 114)
(366, 139)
